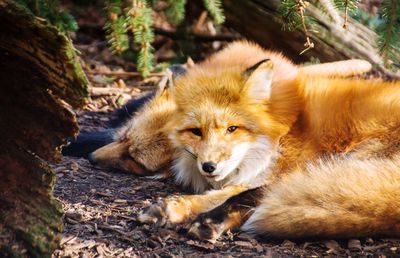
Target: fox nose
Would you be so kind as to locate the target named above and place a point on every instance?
(91, 159)
(209, 167)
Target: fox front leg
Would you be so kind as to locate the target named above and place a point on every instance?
(178, 209)
(230, 215)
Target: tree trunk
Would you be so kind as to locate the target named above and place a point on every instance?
(257, 19)
(39, 71)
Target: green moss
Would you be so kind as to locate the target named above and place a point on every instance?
(38, 240)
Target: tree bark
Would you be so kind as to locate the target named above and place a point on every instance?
(257, 20)
(39, 72)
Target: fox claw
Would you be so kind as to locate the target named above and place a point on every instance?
(205, 228)
(154, 214)
(173, 210)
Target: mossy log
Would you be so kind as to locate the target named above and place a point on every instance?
(39, 75)
(257, 20)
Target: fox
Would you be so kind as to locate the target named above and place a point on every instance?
(281, 154)
(142, 146)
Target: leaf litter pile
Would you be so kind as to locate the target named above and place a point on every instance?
(100, 206)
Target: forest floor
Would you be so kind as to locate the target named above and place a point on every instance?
(101, 206)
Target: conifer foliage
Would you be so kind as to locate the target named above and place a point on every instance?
(293, 14)
(135, 17)
(116, 26)
(389, 38)
(138, 19)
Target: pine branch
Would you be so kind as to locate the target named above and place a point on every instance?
(292, 16)
(141, 23)
(214, 7)
(116, 27)
(176, 11)
(389, 39)
(346, 6)
(288, 15)
(302, 5)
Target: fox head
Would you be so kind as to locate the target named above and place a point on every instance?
(228, 123)
(142, 146)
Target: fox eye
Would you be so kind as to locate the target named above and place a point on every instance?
(231, 129)
(196, 131)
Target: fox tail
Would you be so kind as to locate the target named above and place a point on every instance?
(339, 198)
(343, 69)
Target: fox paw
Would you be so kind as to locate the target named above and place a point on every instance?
(205, 227)
(173, 209)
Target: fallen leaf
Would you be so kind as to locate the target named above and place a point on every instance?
(152, 244)
(121, 201)
(374, 247)
(333, 247)
(259, 248)
(354, 244)
(74, 166)
(73, 215)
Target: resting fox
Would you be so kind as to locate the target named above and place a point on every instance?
(308, 141)
(317, 157)
(142, 146)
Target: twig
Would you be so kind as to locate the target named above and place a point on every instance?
(302, 5)
(67, 240)
(346, 10)
(104, 91)
(126, 217)
(123, 235)
(374, 248)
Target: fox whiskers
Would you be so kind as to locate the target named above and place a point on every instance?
(191, 153)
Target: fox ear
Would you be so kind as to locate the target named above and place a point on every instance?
(190, 63)
(259, 80)
(171, 74)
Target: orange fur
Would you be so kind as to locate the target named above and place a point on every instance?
(339, 174)
(317, 128)
(333, 198)
(222, 92)
(142, 146)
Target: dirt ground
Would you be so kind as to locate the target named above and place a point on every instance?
(101, 206)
